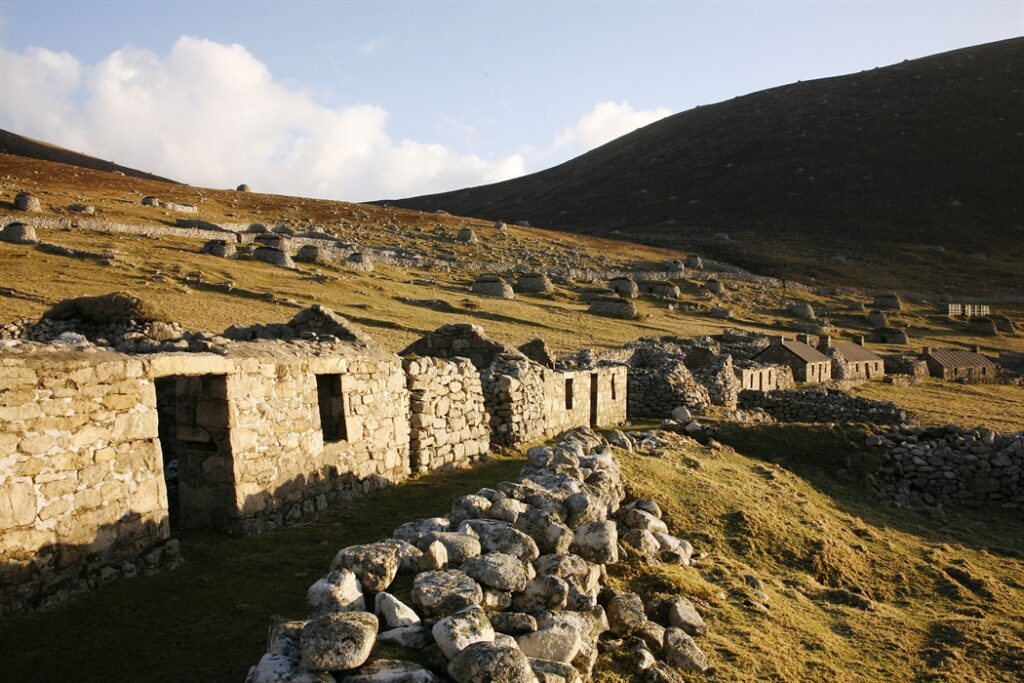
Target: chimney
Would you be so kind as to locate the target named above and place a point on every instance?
(975, 348)
(926, 350)
(776, 339)
(824, 343)
(803, 338)
(858, 339)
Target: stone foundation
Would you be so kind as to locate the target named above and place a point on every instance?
(824, 405)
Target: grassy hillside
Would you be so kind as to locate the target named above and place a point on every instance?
(829, 178)
(857, 591)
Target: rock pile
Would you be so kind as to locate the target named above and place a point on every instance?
(694, 261)
(82, 208)
(534, 282)
(220, 248)
(274, 256)
(492, 285)
(802, 309)
(905, 364)
(982, 325)
(877, 318)
(889, 301)
(23, 201)
(613, 307)
(312, 253)
(950, 465)
(18, 233)
(509, 587)
(824, 405)
(242, 188)
(715, 287)
(624, 287)
(659, 288)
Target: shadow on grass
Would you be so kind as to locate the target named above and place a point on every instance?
(832, 460)
(207, 620)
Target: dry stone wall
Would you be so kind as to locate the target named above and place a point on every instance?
(951, 465)
(824, 405)
(448, 424)
(82, 494)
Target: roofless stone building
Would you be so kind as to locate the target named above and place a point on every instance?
(105, 453)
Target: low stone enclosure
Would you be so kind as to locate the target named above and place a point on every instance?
(824, 405)
(510, 587)
(950, 465)
(105, 452)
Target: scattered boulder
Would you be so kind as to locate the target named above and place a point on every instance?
(220, 248)
(19, 233)
(242, 188)
(374, 564)
(273, 256)
(802, 309)
(982, 325)
(312, 253)
(82, 208)
(23, 201)
(889, 301)
(492, 285)
(614, 307)
(534, 282)
(624, 286)
(500, 225)
(694, 261)
(467, 236)
(681, 652)
(715, 287)
(877, 318)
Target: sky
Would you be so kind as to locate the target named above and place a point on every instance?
(372, 100)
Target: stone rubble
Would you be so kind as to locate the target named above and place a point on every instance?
(501, 610)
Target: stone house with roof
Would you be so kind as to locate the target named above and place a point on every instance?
(852, 360)
(960, 365)
(807, 363)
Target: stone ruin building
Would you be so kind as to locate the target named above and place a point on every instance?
(107, 451)
(960, 365)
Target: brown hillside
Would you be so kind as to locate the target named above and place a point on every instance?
(929, 152)
(18, 145)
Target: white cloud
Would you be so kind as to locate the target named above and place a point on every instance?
(605, 122)
(212, 114)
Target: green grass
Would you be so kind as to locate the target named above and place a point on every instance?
(207, 620)
(790, 506)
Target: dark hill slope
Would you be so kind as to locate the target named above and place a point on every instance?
(927, 151)
(12, 143)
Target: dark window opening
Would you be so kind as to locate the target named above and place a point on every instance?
(568, 394)
(614, 390)
(332, 408)
(593, 398)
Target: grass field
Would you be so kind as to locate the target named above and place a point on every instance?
(787, 504)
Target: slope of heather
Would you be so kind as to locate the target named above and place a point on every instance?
(928, 152)
(12, 143)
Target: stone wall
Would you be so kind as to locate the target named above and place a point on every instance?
(765, 377)
(82, 494)
(951, 465)
(824, 405)
(657, 391)
(448, 424)
(284, 468)
(527, 402)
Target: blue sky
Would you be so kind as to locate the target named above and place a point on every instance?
(366, 100)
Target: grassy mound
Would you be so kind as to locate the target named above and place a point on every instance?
(107, 308)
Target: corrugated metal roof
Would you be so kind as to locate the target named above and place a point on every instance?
(807, 354)
(855, 353)
(960, 358)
